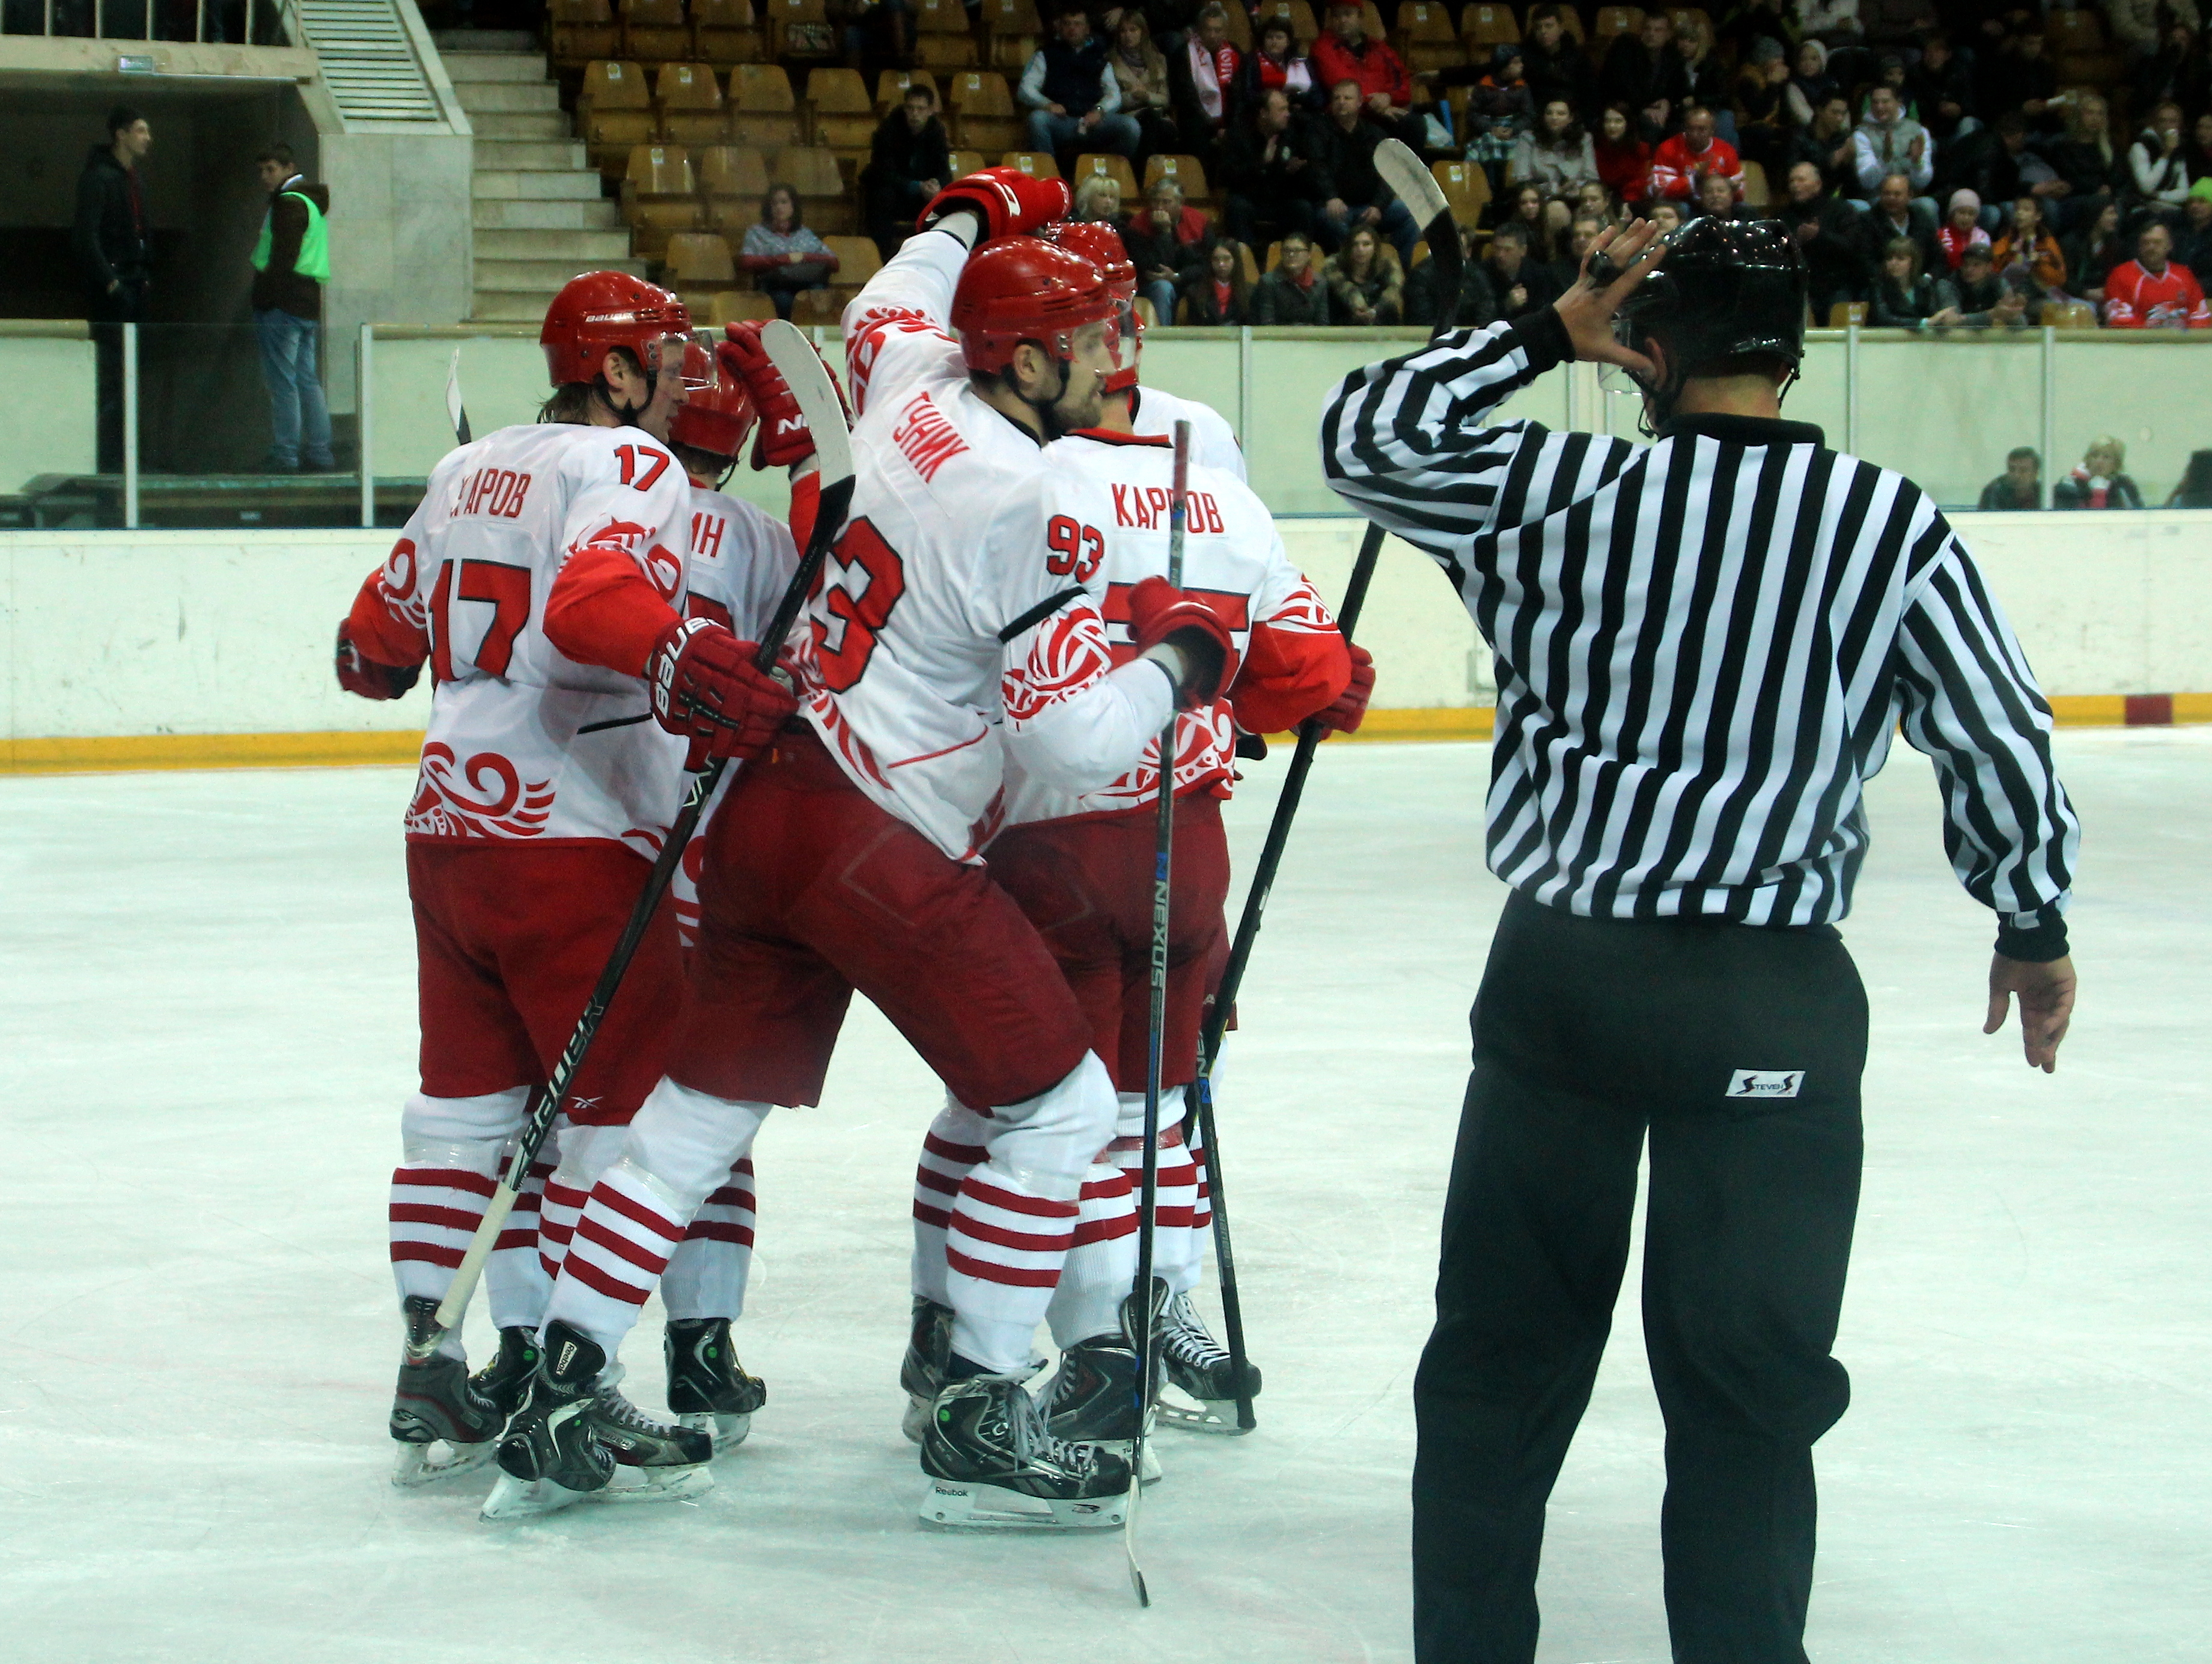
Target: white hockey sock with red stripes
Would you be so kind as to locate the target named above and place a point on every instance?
(586, 1152)
(1102, 1266)
(1013, 1219)
(449, 1159)
(678, 1151)
(1174, 1185)
(950, 1150)
(706, 1274)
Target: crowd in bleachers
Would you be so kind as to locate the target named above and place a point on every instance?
(2000, 167)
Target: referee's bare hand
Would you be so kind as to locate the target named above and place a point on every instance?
(2046, 1002)
(1587, 307)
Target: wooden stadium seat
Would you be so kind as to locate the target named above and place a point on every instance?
(1305, 25)
(1682, 17)
(858, 260)
(736, 305)
(1466, 188)
(1426, 38)
(838, 111)
(1113, 166)
(964, 163)
(982, 111)
(1148, 312)
(1613, 20)
(1037, 164)
(1240, 29)
(1370, 21)
(1486, 25)
(731, 172)
(659, 197)
(690, 100)
(583, 30)
(1186, 171)
(727, 31)
(1757, 193)
(940, 17)
(1570, 24)
(892, 85)
(655, 31)
(812, 171)
(763, 112)
(2074, 30)
(944, 52)
(1845, 313)
(1012, 30)
(800, 29)
(614, 114)
(699, 260)
(2068, 315)
(819, 309)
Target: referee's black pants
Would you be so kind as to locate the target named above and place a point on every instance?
(1588, 1034)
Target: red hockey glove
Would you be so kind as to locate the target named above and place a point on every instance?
(1158, 612)
(702, 684)
(1011, 203)
(783, 438)
(358, 674)
(1344, 716)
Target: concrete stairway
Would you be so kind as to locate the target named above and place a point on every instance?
(539, 216)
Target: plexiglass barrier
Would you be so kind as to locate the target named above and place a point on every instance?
(195, 434)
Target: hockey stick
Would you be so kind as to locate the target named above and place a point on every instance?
(456, 412)
(808, 378)
(1417, 188)
(1155, 1037)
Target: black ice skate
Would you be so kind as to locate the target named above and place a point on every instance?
(708, 1389)
(505, 1379)
(928, 1353)
(577, 1439)
(441, 1422)
(1199, 1367)
(993, 1464)
(1093, 1398)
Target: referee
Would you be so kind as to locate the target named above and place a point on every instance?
(1703, 645)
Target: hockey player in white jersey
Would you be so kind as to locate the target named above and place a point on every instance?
(946, 634)
(1079, 864)
(541, 578)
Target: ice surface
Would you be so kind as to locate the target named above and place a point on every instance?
(209, 1028)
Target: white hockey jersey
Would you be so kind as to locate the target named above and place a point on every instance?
(524, 741)
(1212, 440)
(951, 622)
(1120, 486)
(741, 560)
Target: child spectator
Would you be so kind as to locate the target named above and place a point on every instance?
(1499, 115)
(1623, 159)
(1366, 284)
(2096, 481)
(2028, 254)
(1558, 156)
(2019, 488)
(2150, 292)
(1905, 296)
(1961, 230)
(1293, 293)
(1216, 297)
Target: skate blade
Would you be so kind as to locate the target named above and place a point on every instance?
(1202, 1415)
(513, 1499)
(1121, 1448)
(728, 1432)
(965, 1505)
(416, 1465)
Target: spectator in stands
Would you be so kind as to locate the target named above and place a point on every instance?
(2150, 292)
(1141, 75)
(1352, 192)
(2097, 481)
(1644, 72)
(2178, 71)
(2028, 256)
(1521, 285)
(1961, 230)
(1830, 146)
(1499, 115)
(2094, 172)
(1558, 156)
(1202, 81)
(1275, 63)
(1705, 77)
(1166, 244)
(1216, 296)
(1531, 210)
(2136, 22)
(1761, 116)
(2157, 171)
(2192, 238)
(1887, 141)
(1827, 235)
(2091, 252)
(2019, 488)
(2018, 77)
(1293, 293)
(2195, 490)
(1073, 100)
(1896, 212)
(875, 34)
(1745, 25)
(1976, 298)
(1476, 304)
(1582, 236)
(113, 242)
(1624, 158)
(1938, 91)
(1366, 284)
(1592, 201)
(2198, 151)
(1810, 85)
(1717, 199)
(1386, 91)
(1905, 296)
(909, 162)
(1268, 173)
(1555, 65)
(783, 255)
(291, 264)
(1832, 22)
(1098, 198)
(1677, 161)
(1666, 216)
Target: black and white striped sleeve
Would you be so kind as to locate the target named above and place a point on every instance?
(1969, 701)
(1406, 441)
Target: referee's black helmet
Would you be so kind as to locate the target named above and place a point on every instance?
(1729, 289)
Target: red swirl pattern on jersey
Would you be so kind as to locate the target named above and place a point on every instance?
(443, 809)
(1067, 653)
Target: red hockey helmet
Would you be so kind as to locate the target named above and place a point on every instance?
(1022, 288)
(1100, 243)
(717, 412)
(603, 309)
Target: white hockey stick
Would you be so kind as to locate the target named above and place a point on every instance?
(456, 412)
(808, 378)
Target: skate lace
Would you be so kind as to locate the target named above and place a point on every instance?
(1186, 1338)
(1032, 1439)
(620, 1411)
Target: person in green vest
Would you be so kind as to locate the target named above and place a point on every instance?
(291, 263)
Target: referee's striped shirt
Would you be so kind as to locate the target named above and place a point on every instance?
(1702, 647)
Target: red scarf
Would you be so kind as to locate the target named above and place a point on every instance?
(2097, 494)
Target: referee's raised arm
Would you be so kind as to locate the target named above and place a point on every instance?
(1703, 646)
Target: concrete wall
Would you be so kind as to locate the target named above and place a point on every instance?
(183, 633)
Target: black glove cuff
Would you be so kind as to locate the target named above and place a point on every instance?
(2037, 945)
